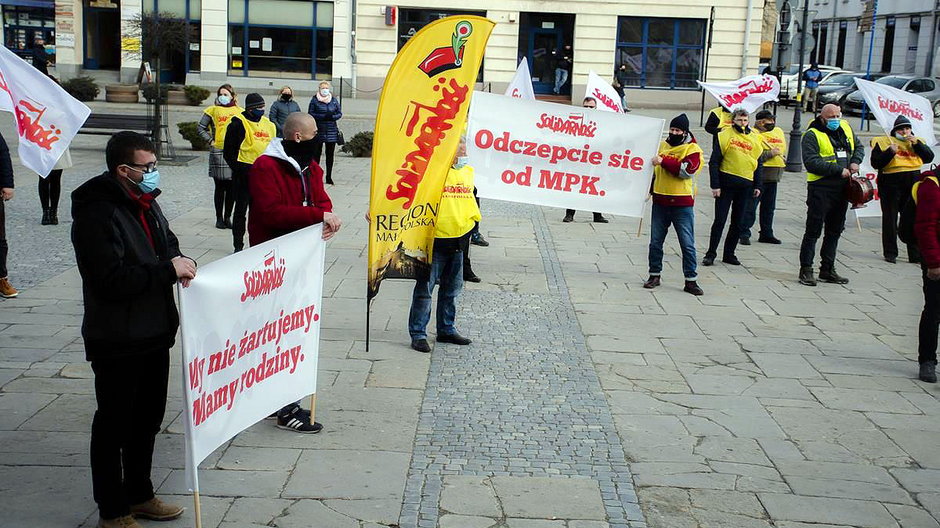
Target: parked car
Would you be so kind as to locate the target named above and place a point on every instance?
(790, 76)
(926, 87)
(837, 87)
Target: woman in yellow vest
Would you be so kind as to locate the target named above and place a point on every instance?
(455, 220)
(735, 173)
(212, 128)
(775, 144)
(674, 170)
(246, 138)
(898, 158)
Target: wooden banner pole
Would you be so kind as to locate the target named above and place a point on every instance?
(197, 509)
(313, 407)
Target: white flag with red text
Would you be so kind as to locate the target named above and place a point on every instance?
(749, 93)
(47, 117)
(607, 98)
(887, 103)
(521, 85)
(250, 331)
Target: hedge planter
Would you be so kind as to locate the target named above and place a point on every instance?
(121, 93)
(176, 97)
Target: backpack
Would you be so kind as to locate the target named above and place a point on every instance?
(909, 211)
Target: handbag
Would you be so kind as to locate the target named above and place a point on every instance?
(340, 140)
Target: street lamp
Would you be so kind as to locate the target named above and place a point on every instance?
(794, 153)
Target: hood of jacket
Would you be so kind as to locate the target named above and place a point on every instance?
(276, 150)
(103, 188)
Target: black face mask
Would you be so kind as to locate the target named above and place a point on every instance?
(301, 151)
(769, 126)
(675, 139)
(286, 97)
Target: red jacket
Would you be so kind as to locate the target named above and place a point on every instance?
(278, 201)
(927, 222)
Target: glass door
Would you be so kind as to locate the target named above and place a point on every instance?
(544, 47)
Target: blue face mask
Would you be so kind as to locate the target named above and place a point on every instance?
(149, 183)
(833, 124)
(460, 162)
(224, 100)
(257, 113)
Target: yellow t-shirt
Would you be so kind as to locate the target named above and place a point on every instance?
(458, 210)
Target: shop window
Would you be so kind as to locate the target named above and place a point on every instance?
(412, 20)
(264, 43)
(660, 52)
(191, 11)
(21, 25)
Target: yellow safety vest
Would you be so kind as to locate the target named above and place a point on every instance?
(904, 160)
(257, 137)
(458, 210)
(724, 117)
(740, 152)
(775, 139)
(826, 150)
(221, 117)
(917, 185)
(668, 184)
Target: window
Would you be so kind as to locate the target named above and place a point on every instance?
(920, 86)
(22, 24)
(888, 48)
(191, 12)
(284, 38)
(660, 52)
(840, 47)
(412, 20)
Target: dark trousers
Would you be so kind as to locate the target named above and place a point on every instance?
(465, 249)
(330, 150)
(735, 200)
(570, 212)
(131, 395)
(894, 191)
(50, 188)
(768, 203)
(224, 199)
(825, 215)
(929, 321)
(240, 213)
(4, 248)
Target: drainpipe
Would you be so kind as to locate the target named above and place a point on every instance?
(747, 37)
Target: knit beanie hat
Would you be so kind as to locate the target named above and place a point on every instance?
(254, 100)
(764, 114)
(900, 122)
(681, 122)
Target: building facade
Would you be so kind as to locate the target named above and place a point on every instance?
(265, 43)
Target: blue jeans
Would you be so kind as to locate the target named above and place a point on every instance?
(683, 218)
(561, 77)
(768, 203)
(446, 268)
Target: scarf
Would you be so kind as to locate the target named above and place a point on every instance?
(144, 202)
(324, 100)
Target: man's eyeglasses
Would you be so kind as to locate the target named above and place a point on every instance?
(150, 167)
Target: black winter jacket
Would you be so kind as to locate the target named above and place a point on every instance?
(127, 284)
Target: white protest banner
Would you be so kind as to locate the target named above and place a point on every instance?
(887, 103)
(873, 208)
(521, 85)
(250, 337)
(607, 98)
(749, 93)
(47, 117)
(561, 156)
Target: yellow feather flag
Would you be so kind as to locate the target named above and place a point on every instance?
(422, 113)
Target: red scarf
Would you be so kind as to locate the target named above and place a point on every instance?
(144, 202)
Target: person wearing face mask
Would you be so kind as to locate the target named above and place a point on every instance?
(212, 127)
(326, 110)
(775, 144)
(455, 219)
(287, 194)
(831, 154)
(589, 102)
(719, 118)
(283, 107)
(735, 170)
(898, 158)
(129, 261)
(674, 170)
(246, 138)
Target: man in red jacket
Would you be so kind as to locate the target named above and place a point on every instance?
(287, 194)
(927, 230)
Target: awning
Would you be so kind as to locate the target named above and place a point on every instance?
(48, 4)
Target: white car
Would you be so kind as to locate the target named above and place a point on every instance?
(788, 79)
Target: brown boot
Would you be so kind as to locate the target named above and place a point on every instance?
(126, 521)
(156, 510)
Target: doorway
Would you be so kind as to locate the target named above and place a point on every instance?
(546, 40)
(102, 35)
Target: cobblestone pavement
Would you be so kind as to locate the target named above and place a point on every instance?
(762, 404)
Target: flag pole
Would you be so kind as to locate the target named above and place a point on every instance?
(192, 469)
(368, 313)
(197, 509)
(313, 408)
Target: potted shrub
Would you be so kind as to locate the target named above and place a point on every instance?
(195, 95)
(121, 93)
(360, 146)
(190, 132)
(82, 88)
(149, 92)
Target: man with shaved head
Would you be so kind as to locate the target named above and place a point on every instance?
(831, 154)
(287, 194)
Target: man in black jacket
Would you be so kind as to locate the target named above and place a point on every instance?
(6, 193)
(129, 260)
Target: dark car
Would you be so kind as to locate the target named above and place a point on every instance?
(926, 87)
(837, 87)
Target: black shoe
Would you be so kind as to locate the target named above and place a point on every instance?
(329, 181)
(298, 422)
(708, 261)
(599, 219)
(806, 277)
(477, 240)
(220, 224)
(53, 217)
(45, 217)
(693, 288)
(228, 223)
(568, 218)
(832, 277)
(456, 339)
(744, 241)
(472, 277)
(421, 345)
(913, 260)
(289, 410)
(238, 248)
(892, 260)
(768, 240)
(652, 282)
(928, 372)
(731, 259)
